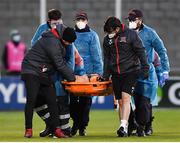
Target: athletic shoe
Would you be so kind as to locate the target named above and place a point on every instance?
(149, 131)
(132, 127)
(67, 132)
(28, 133)
(148, 127)
(74, 130)
(82, 132)
(59, 134)
(45, 132)
(140, 132)
(121, 132)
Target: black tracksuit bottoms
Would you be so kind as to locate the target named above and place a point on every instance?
(143, 109)
(79, 110)
(33, 85)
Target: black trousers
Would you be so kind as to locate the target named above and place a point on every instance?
(64, 111)
(79, 110)
(149, 124)
(143, 109)
(42, 110)
(33, 85)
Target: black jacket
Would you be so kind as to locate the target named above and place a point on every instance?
(123, 53)
(46, 57)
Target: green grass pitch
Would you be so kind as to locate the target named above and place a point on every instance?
(102, 128)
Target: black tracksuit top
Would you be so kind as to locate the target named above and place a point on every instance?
(123, 53)
(46, 57)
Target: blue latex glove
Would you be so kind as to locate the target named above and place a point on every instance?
(163, 78)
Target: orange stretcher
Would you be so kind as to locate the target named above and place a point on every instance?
(93, 88)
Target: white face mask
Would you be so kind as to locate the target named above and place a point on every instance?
(53, 25)
(81, 25)
(111, 35)
(16, 38)
(132, 25)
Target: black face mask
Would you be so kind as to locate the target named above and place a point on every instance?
(60, 28)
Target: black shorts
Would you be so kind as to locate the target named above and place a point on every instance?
(124, 83)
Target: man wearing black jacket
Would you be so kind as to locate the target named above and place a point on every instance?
(124, 56)
(46, 57)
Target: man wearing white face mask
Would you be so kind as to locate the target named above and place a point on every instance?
(124, 58)
(13, 54)
(54, 16)
(88, 45)
(145, 91)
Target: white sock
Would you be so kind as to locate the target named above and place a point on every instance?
(124, 124)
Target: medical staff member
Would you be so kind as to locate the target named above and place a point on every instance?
(88, 45)
(39, 64)
(54, 19)
(145, 91)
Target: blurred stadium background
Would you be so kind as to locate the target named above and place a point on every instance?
(162, 15)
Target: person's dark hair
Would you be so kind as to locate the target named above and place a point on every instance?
(69, 35)
(111, 24)
(54, 14)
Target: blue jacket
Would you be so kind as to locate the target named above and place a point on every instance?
(42, 28)
(89, 48)
(78, 69)
(152, 43)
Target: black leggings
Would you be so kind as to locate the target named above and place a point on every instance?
(79, 110)
(33, 85)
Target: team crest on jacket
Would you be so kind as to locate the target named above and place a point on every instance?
(110, 41)
(123, 39)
